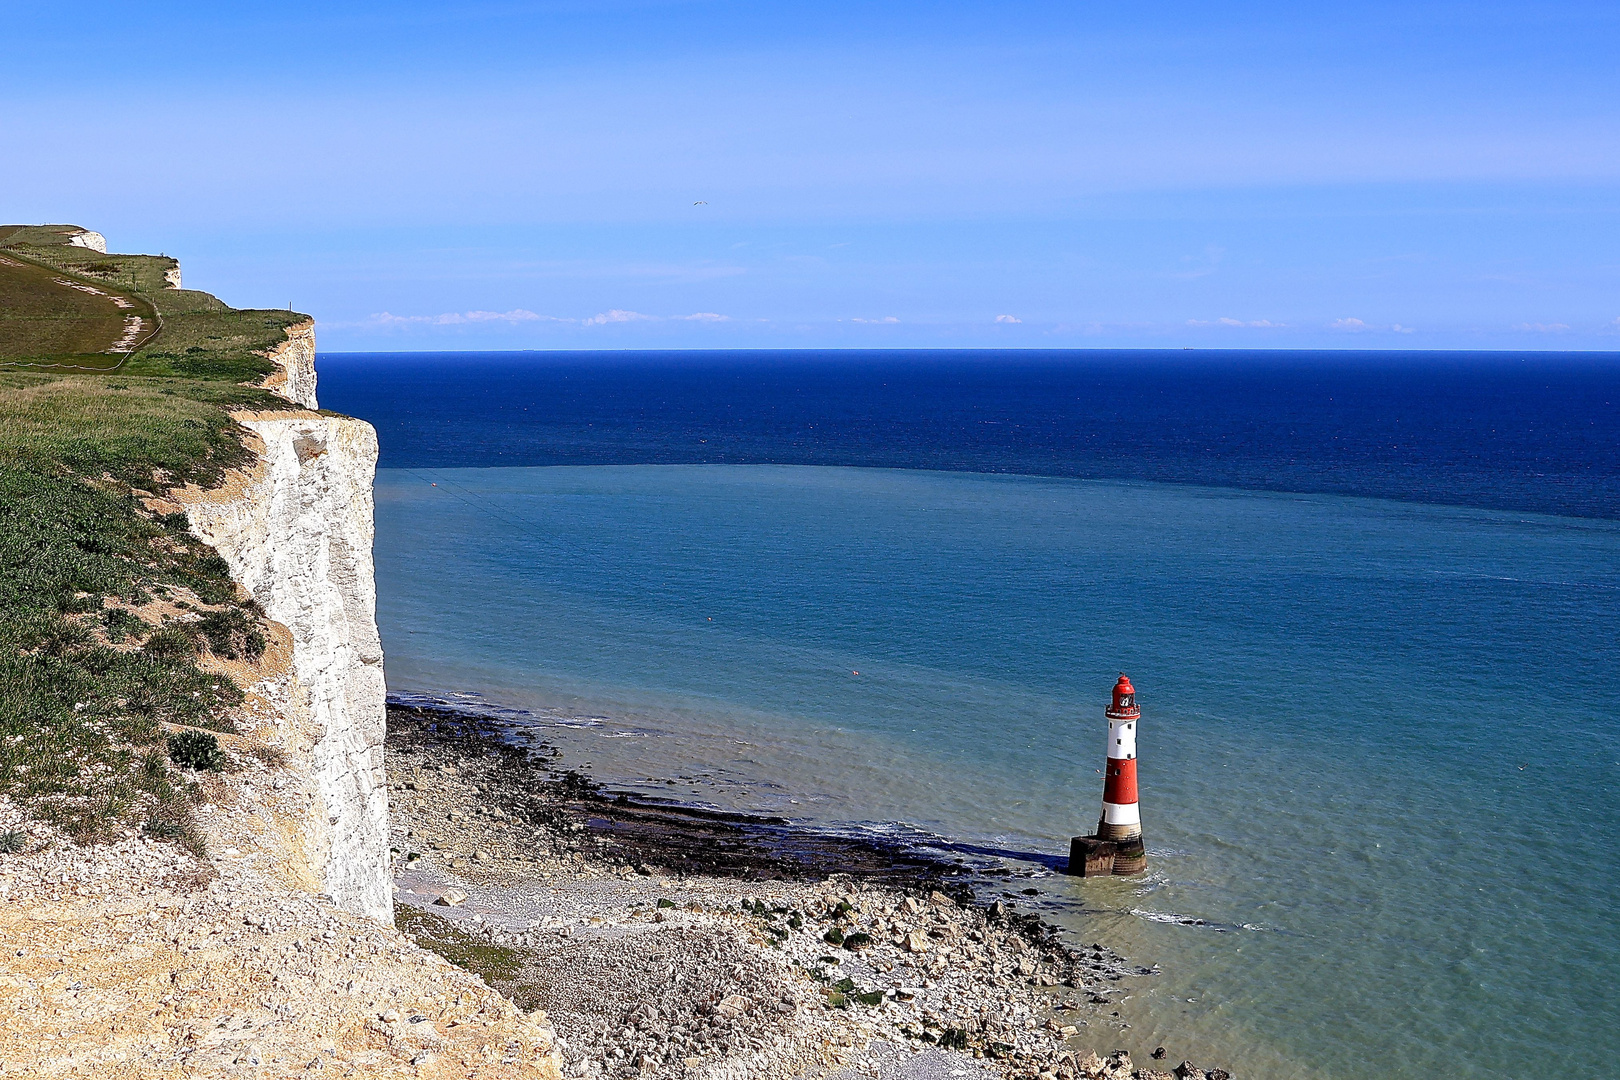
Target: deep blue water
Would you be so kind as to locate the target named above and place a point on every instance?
(1381, 737)
(1514, 431)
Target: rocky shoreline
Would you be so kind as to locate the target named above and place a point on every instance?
(665, 940)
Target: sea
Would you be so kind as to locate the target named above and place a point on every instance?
(1370, 603)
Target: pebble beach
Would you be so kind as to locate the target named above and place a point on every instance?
(729, 948)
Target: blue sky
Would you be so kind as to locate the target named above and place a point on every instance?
(715, 175)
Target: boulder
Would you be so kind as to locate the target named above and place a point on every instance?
(916, 942)
(1091, 1065)
(451, 898)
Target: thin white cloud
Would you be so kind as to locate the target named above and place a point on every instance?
(456, 318)
(1399, 329)
(1347, 324)
(1210, 260)
(1099, 328)
(1546, 328)
(515, 315)
(1226, 321)
(523, 315)
(617, 315)
(885, 319)
(1008, 319)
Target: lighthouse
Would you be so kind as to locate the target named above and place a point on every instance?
(1117, 846)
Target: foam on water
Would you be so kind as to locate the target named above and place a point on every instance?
(1379, 741)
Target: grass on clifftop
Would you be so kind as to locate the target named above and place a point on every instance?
(106, 606)
(43, 314)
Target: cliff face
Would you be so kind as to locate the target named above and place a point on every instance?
(295, 358)
(297, 534)
(87, 239)
(134, 958)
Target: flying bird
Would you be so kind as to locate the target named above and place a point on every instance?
(700, 202)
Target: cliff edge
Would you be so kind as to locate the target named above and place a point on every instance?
(185, 560)
(296, 531)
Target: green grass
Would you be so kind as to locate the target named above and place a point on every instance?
(47, 244)
(45, 235)
(500, 966)
(40, 316)
(86, 683)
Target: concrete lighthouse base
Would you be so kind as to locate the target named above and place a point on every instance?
(1101, 855)
(1130, 856)
(1091, 857)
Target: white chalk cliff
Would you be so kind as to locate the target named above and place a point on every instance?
(294, 378)
(94, 241)
(159, 944)
(297, 531)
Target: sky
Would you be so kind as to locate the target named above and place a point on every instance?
(664, 174)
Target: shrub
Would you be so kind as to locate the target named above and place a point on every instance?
(161, 829)
(232, 634)
(121, 623)
(196, 750)
(177, 641)
(12, 842)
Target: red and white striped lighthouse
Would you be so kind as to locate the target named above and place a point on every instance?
(1121, 820)
(1117, 847)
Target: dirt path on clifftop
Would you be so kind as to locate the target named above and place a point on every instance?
(55, 320)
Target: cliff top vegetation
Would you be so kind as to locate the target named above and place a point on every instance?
(107, 604)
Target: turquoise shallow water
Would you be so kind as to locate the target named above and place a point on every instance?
(1379, 742)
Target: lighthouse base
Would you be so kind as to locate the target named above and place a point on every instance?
(1092, 856)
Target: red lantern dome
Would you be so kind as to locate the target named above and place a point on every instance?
(1124, 706)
